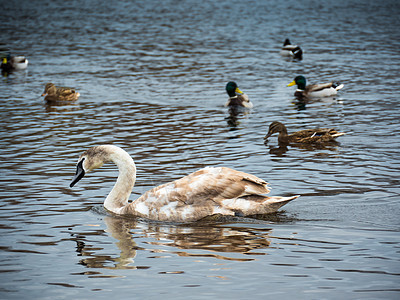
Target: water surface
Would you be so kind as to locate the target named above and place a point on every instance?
(152, 76)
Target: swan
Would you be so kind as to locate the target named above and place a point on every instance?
(236, 96)
(208, 191)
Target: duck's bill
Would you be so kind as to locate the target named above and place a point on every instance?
(238, 91)
(292, 83)
(80, 172)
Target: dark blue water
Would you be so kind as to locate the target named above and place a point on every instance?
(151, 77)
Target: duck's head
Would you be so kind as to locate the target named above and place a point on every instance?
(275, 127)
(287, 42)
(300, 81)
(90, 160)
(49, 89)
(232, 89)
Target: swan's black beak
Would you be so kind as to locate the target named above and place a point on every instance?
(80, 172)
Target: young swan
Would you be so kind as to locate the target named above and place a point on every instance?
(203, 193)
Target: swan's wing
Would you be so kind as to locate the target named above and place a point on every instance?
(209, 184)
(198, 194)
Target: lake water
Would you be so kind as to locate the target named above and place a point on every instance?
(151, 76)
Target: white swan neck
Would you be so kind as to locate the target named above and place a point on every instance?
(118, 198)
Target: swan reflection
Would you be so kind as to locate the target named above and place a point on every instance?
(222, 241)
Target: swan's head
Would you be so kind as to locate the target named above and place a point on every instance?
(91, 159)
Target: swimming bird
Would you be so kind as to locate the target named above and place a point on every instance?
(307, 136)
(53, 93)
(206, 192)
(314, 90)
(11, 63)
(236, 96)
(291, 50)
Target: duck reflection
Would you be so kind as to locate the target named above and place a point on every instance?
(235, 112)
(278, 151)
(284, 147)
(300, 103)
(59, 106)
(215, 240)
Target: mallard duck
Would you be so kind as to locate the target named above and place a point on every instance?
(307, 136)
(11, 63)
(291, 50)
(236, 96)
(206, 192)
(54, 93)
(314, 90)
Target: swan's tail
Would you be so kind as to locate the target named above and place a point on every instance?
(272, 204)
(257, 204)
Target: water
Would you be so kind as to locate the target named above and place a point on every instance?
(151, 77)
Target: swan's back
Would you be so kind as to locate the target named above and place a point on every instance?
(205, 192)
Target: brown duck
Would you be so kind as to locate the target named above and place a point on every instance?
(307, 136)
(54, 93)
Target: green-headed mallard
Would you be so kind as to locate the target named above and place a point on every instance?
(314, 90)
(11, 63)
(291, 50)
(236, 96)
(307, 136)
(53, 93)
(206, 192)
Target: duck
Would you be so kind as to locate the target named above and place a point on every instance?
(53, 93)
(306, 136)
(10, 63)
(210, 191)
(290, 50)
(236, 96)
(314, 90)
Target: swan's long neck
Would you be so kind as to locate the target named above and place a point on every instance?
(119, 195)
